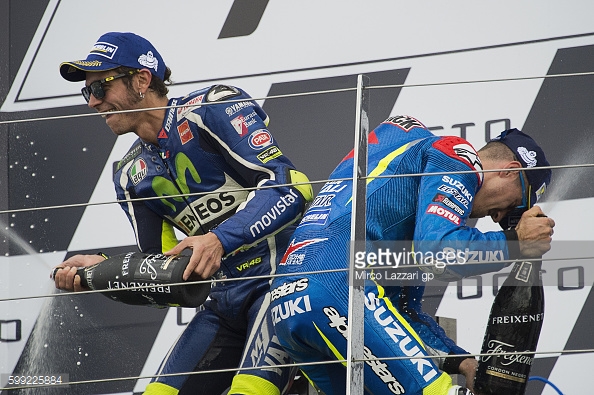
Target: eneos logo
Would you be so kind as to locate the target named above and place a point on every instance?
(260, 138)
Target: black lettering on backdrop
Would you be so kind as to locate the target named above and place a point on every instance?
(492, 127)
(488, 124)
(463, 127)
(568, 279)
(243, 18)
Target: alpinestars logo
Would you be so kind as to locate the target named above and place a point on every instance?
(289, 259)
(468, 153)
(378, 367)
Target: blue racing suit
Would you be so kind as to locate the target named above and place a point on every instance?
(208, 153)
(427, 214)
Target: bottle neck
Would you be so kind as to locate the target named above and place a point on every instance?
(528, 272)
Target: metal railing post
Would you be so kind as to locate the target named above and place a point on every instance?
(355, 381)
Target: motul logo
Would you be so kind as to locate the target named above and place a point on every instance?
(442, 212)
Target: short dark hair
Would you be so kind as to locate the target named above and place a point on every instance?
(158, 86)
(495, 150)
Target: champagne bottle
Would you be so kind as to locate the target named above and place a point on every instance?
(152, 273)
(514, 326)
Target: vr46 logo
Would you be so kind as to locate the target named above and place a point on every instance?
(249, 264)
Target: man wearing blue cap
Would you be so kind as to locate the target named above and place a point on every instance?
(416, 227)
(197, 156)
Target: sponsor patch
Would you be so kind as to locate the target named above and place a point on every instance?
(104, 49)
(291, 257)
(333, 186)
(269, 154)
(259, 139)
(401, 337)
(528, 156)
(459, 186)
(236, 107)
(442, 212)
(290, 308)
(138, 171)
(459, 149)
(241, 123)
(540, 191)
(185, 133)
(133, 153)
(269, 218)
(249, 264)
(209, 209)
(149, 61)
(380, 368)
(405, 122)
(170, 115)
(316, 217)
(221, 92)
(439, 198)
(289, 288)
(322, 201)
(454, 192)
(162, 134)
(475, 256)
(189, 106)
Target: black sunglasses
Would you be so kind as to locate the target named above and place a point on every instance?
(96, 87)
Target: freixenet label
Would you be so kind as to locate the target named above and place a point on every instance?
(498, 347)
(517, 319)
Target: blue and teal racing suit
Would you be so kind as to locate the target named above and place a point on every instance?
(208, 153)
(425, 213)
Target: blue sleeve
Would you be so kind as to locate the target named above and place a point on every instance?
(239, 130)
(445, 203)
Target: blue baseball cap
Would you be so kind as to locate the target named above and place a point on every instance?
(115, 49)
(530, 155)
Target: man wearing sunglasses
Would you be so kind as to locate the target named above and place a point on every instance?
(417, 227)
(212, 153)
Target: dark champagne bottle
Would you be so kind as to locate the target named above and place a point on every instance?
(150, 275)
(514, 326)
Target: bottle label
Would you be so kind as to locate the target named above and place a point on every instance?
(89, 276)
(505, 366)
(524, 271)
(506, 374)
(138, 286)
(156, 267)
(516, 319)
(150, 275)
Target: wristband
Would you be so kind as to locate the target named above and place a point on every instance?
(451, 365)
